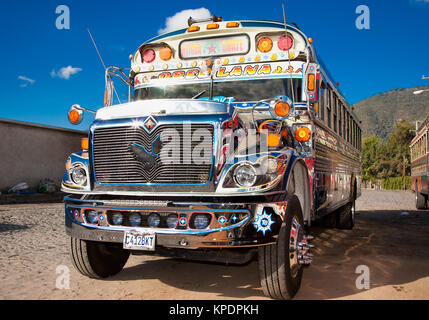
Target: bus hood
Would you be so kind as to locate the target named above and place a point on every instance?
(162, 106)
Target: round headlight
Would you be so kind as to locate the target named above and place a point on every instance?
(172, 220)
(153, 220)
(117, 218)
(78, 175)
(245, 175)
(135, 219)
(201, 221)
(92, 217)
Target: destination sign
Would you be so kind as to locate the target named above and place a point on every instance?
(214, 47)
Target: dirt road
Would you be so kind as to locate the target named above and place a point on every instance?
(392, 244)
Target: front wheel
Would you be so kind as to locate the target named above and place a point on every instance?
(97, 259)
(280, 270)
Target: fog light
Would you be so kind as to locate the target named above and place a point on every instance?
(92, 217)
(201, 221)
(172, 220)
(153, 220)
(117, 218)
(245, 175)
(135, 219)
(78, 175)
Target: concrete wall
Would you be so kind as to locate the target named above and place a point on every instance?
(31, 152)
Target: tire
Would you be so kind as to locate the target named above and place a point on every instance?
(346, 216)
(97, 259)
(279, 279)
(420, 201)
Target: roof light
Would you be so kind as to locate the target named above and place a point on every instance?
(212, 26)
(232, 25)
(148, 55)
(285, 43)
(193, 29)
(165, 53)
(265, 44)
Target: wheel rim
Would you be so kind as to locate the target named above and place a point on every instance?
(295, 237)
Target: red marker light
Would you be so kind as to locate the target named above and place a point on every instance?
(285, 43)
(148, 55)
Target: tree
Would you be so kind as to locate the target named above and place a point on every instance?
(388, 159)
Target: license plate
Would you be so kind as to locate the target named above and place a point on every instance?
(139, 241)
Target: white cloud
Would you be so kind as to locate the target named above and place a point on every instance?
(26, 79)
(65, 72)
(180, 19)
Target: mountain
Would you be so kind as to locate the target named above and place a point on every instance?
(380, 112)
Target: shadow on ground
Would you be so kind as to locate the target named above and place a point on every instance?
(394, 247)
(12, 227)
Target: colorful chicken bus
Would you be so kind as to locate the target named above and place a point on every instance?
(419, 164)
(234, 141)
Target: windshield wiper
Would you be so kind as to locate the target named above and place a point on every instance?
(199, 95)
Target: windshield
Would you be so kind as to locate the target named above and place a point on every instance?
(243, 90)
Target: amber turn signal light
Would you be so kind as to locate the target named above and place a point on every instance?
(273, 140)
(75, 117)
(311, 79)
(84, 144)
(302, 134)
(265, 44)
(165, 53)
(282, 109)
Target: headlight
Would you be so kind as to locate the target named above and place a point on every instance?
(258, 174)
(135, 219)
(92, 217)
(78, 175)
(201, 221)
(245, 175)
(172, 220)
(117, 218)
(154, 220)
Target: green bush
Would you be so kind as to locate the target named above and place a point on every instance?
(396, 183)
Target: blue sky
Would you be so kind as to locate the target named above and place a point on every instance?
(394, 53)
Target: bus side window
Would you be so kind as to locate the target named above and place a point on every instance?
(335, 105)
(328, 108)
(322, 101)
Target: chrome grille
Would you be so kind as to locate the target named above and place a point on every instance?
(115, 163)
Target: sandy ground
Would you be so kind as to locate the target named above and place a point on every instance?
(394, 247)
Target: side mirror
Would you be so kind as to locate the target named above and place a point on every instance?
(75, 114)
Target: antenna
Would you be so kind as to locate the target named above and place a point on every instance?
(288, 56)
(102, 62)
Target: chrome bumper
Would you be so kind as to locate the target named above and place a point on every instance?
(238, 231)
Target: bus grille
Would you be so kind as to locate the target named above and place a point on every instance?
(116, 163)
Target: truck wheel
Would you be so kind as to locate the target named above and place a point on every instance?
(420, 201)
(279, 270)
(346, 216)
(97, 259)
